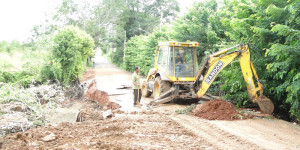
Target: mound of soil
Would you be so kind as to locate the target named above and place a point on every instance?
(100, 97)
(216, 110)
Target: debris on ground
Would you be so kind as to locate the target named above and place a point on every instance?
(25, 108)
(125, 131)
(13, 106)
(49, 137)
(107, 114)
(90, 111)
(186, 110)
(101, 98)
(14, 122)
(217, 110)
(75, 91)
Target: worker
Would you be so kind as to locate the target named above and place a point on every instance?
(178, 64)
(137, 92)
(178, 59)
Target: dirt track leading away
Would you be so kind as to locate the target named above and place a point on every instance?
(159, 128)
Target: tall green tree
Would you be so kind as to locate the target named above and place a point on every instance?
(141, 50)
(140, 17)
(201, 24)
(72, 47)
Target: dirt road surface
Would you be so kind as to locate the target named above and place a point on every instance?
(158, 128)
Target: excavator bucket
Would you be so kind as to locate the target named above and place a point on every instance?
(265, 104)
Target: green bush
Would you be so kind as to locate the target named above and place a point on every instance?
(72, 47)
(22, 78)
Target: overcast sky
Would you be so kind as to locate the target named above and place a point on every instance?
(19, 16)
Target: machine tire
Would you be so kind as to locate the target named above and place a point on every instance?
(145, 91)
(160, 87)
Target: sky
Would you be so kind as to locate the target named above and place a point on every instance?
(19, 16)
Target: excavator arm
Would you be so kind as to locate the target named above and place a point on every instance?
(218, 61)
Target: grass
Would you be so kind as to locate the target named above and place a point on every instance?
(2, 113)
(186, 110)
(22, 67)
(11, 62)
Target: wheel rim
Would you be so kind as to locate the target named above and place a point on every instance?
(144, 89)
(157, 89)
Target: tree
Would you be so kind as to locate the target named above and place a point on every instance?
(284, 69)
(72, 48)
(201, 24)
(141, 49)
(139, 17)
(274, 28)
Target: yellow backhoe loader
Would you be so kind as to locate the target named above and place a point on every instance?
(176, 74)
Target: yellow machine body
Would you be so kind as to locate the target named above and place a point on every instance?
(189, 84)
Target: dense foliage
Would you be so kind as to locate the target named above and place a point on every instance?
(274, 26)
(140, 50)
(71, 50)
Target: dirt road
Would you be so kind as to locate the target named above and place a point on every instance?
(159, 128)
(243, 134)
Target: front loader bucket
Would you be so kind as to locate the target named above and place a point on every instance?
(265, 104)
(164, 98)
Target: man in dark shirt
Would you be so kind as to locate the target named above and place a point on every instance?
(178, 59)
(178, 64)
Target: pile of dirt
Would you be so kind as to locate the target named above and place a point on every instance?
(217, 110)
(100, 97)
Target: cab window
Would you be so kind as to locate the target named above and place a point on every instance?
(162, 56)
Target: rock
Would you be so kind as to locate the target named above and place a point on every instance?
(13, 106)
(18, 108)
(49, 137)
(12, 123)
(107, 114)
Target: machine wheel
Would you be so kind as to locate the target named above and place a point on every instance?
(160, 87)
(145, 91)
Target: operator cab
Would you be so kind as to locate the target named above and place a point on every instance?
(177, 60)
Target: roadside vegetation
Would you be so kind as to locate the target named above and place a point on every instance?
(129, 31)
(37, 74)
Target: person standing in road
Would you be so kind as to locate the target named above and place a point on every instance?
(137, 92)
